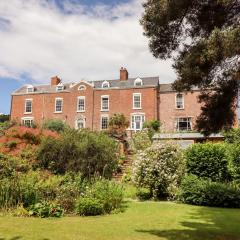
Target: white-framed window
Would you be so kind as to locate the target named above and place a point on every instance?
(137, 121)
(30, 89)
(58, 105)
(105, 103)
(105, 84)
(81, 104)
(82, 88)
(28, 122)
(137, 101)
(60, 87)
(80, 123)
(179, 98)
(28, 106)
(104, 122)
(183, 124)
(138, 82)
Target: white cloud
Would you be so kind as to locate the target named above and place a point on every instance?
(39, 40)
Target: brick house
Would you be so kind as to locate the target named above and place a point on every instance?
(91, 104)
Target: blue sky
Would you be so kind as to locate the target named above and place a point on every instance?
(74, 39)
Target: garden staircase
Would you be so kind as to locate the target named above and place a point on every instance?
(124, 168)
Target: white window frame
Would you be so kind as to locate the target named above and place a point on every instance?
(137, 95)
(59, 87)
(177, 120)
(30, 89)
(84, 107)
(104, 96)
(138, 80)
(84, 122)
(133, 123)
(105, 84)
(55, 107)
(101, 122)
(25, 110)
(24, 119)
(176, 105)
(82, 88)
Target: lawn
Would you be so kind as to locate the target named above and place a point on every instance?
(141, 220)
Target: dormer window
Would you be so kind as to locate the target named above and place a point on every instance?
(30, 89)
(105, 84)
(138, 82)
(82, 88)
(60, 87)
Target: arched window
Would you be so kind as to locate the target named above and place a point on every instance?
(138, 82)
(82, 88)
(105, 84)
(80, 123)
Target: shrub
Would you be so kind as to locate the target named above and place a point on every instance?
(91, 153)
(232, 136)
(233, 154)
(56, 125)
(108, 193)
(12, 145)
(152, 126)
(208, 160)
(46, 209)
(89, 206)
(143, 194)
(160, 169)
(198, 191)
(141, 140)
(20, 211)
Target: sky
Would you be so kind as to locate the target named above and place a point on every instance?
(74, 39)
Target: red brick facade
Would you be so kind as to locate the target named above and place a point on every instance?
(153, 101)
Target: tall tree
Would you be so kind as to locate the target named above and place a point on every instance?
(203, 38)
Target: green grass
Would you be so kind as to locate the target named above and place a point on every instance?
(141, 220)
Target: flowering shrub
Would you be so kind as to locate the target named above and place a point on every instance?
(160, 169)
(141, 140)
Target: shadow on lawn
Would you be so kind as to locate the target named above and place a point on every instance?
(201, 224)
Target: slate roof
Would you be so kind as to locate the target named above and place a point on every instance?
(147, 82)
(167, 87)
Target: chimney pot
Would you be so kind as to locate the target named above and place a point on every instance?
(123, 74)
(55, 81)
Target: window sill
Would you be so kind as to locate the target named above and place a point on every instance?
(179, 108)
(82, 111)
(104, 110)
(137, 108)
(57, 112)
(28, 113)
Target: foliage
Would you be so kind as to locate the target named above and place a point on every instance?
(89, 206)
(91, 153)
(4, 126)
(143, 194)
(45, 210)
(4, 118)
(118, 124)
(198, 191)
(232, 136)
(208, 60)
(20, 211)
(208, 160)
(152, 126)
(108, 193)
(55, 125)
(160, 169)
(233, 154)
(141, 140)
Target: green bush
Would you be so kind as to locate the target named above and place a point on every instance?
(45, 210)
(233, 153)
(160, 169)
(208, 161)
(89, 206)
(143, 194)
(152, 127)
(204, 192)
(90, 153)
(232, 136)
(141, 140)
(11, 145)
(56, 125)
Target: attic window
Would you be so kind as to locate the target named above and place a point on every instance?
(138, 82)
(30, 89)
(82, 88)
(105, 84)
(60, 87)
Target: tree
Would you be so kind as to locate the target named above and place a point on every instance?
(205, 34)
(4, 118)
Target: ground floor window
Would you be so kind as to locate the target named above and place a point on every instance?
(80, 123)
(28, 122)
(137, 121)
(183, 124)
(104, 122)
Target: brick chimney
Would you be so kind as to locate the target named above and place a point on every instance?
(55, 81)
(123, 74)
